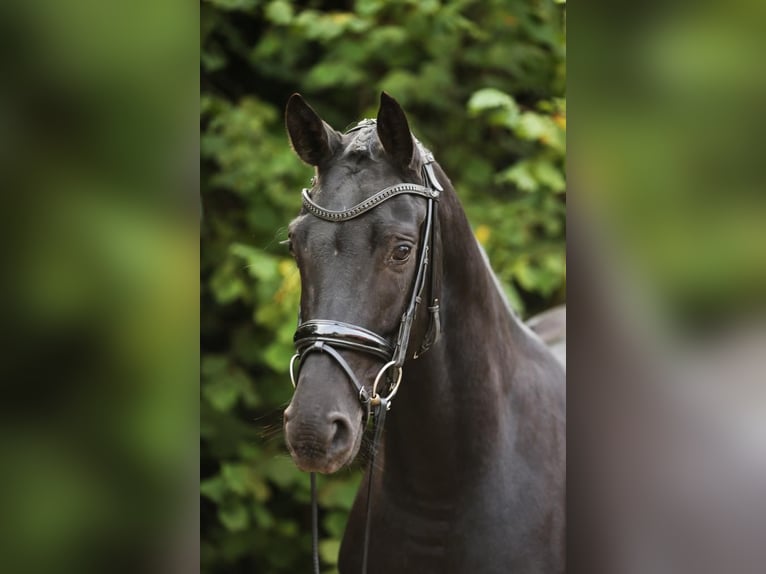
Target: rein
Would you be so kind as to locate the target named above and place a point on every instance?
(327, 336)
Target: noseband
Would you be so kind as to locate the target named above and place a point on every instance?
(327, 336)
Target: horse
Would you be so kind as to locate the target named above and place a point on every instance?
(398, 298)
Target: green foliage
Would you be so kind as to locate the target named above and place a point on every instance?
(483, 85)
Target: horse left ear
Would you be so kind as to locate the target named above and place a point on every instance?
(394, 131)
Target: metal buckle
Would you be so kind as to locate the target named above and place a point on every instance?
(376, 399)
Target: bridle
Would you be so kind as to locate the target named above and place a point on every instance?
(327, 336)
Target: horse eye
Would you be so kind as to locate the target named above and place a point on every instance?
(401, 253)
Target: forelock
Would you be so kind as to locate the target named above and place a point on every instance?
(364, 143)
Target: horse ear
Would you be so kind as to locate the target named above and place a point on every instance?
(394, 131)
(312, 139)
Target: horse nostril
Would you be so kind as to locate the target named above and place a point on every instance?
(341, 432)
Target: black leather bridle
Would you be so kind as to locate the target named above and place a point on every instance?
(327, 336)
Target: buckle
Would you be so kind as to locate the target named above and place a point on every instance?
(377, 399)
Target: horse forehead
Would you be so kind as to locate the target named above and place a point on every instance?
(352, 180)
(354, 232)
(362, 141)
(324, 238)
(358, 170)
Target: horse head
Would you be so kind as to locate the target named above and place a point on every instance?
(358, 244)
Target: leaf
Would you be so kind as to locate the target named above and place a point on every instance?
(329, 549)
(278, 355)
(334, 74)
(234, 517)
(224, 385)
(549, 175)
(263, 518)
(213, 364)
(213, 60)
(227, 287)
(541, 128)
(541, 276)
(339, 494)
(521, 175)
(282, 472)
(221, 394)
(324, 27)
(236, 477)
(242, 5)
(489, 98)
(213, 488)
(279, 12)
(532, 126)
(241, 479)
(259, 264)
(534, 174)
(514, 299)
(335, 523)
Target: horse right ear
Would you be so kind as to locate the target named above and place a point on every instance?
(312, 139)
(394, 131)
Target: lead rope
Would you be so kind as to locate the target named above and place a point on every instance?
(314, 523)
(379, 419)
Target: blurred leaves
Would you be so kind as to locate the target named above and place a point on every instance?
(483, 86)
(234, 4)
(673, 143)
(98, 438)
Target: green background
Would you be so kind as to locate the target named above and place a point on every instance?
(483, 87)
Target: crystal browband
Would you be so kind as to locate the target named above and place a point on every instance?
(367, 204)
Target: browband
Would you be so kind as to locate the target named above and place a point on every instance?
(367, 204)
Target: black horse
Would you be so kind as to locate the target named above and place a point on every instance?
(470, 477)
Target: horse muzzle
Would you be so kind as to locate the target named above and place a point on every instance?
(321, 442)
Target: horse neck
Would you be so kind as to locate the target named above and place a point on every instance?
(449, 410)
